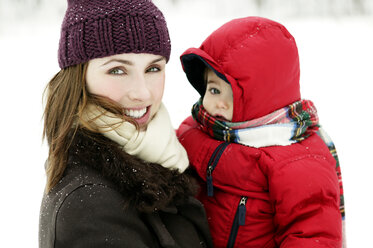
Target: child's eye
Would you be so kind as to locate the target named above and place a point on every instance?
(214, 91)
(153, 69)
(116, 71)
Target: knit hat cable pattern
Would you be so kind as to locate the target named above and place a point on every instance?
(96, 28)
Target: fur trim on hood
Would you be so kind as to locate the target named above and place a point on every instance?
(147, 186)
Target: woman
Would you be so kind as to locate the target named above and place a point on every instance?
(115, 171)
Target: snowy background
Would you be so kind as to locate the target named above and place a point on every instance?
(335, 45)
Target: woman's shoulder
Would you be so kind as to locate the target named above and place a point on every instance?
(77, 181)
(108, 190)
(84, 210)
(78, 178)
(72, 202)
(80, 188)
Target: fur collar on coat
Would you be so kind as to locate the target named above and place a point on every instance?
(147, 186)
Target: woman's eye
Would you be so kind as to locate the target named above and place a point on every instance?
(153, 69)
(116, 71)
(214, 91)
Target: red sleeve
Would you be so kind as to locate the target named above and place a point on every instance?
(198, 145)
(306, 197)
(187, 124)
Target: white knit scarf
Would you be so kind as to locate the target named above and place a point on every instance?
(157, 144)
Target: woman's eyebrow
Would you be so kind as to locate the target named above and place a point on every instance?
(122, 61)
(157, 60)
(126, 62)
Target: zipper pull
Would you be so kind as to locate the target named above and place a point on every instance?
(242, 211)
(210, 187)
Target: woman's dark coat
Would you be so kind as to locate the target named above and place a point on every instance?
(108, 198)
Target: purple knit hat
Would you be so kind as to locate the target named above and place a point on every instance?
(99, 28)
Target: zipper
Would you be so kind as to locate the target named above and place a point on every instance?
(211, 166)
(239, 220)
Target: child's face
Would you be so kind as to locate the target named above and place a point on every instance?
(218, 99)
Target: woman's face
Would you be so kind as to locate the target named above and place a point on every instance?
(136, 81)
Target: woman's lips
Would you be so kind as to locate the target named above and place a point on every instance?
(135, 113)
(140, 115)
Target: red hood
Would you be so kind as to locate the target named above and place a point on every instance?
(257, 57)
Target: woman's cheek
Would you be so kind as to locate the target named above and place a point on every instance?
(113, 91)
(159, 88)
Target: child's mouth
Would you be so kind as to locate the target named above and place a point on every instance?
(220, 118)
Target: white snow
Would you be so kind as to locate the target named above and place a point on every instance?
(336, 73)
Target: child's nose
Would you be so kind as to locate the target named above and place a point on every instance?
(221, 104)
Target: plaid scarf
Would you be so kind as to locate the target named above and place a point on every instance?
(285, 126)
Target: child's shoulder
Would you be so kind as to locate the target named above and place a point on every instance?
(312, 148)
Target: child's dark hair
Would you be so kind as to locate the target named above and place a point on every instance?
(205, 72)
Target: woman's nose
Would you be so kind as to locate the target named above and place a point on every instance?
(139, 90)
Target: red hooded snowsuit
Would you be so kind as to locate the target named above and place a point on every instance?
(291, 193)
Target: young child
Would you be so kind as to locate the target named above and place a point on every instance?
(270, 175)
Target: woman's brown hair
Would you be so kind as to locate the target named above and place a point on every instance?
(66, 99)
